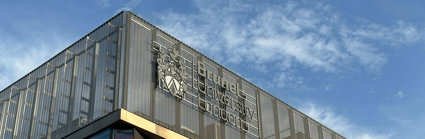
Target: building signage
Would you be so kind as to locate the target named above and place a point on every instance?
(216, 95)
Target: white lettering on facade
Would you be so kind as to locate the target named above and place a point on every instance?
(212, 89)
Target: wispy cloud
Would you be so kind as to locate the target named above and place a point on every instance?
(129, 5)
(341, 124)
(18, 57)
(365, 54)
(399, 34)
(400, 94)
(312, 36)
(104, 3)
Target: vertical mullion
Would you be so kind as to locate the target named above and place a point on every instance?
(17, 103)
(104, 77)
(36, 100)
(53, 102)
(72, 92)
(276, 119)
(118, 46)
(259, 116)
(221, 74)
(123, 44)
(25, 103)
(93, 82)
(242, 133)
(126, 61)
(320, 131)
(291, 122)
(18, 114)
(306, 127)
(177, 103)
(155, 73)
(6, 115)
(2, 115)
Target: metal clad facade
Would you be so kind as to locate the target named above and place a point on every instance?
(70, 90)
(139, 78)
(116, 66)
(273, 118)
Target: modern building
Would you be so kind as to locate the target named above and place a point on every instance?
(129, 79)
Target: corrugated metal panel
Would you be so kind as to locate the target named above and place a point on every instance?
(313, 129)
(140, 66)
(284, 123)
(267, 117)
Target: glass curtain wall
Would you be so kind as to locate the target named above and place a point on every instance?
(70, 90)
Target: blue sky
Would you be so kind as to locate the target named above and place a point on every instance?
(355, 66)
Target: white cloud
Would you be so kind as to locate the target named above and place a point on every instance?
(313, 37)
(269, 36)
(400, 94)
(341, 124)
(128, 6)
(399, 34)
(18, 57)
(365, 54)
(104, 3)
(327, 87)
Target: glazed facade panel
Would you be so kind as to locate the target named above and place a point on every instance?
(284, 123)
(70, 90)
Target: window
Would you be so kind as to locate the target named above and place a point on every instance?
(313, 128)
(284, 126)
(105, 134)
(267, 117)
(299, 125)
